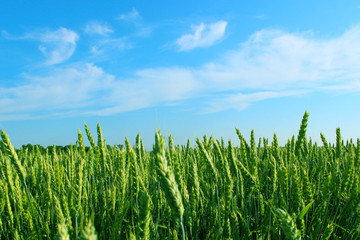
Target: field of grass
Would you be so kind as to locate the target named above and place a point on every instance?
(214, 190)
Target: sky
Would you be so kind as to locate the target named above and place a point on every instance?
(187, 68)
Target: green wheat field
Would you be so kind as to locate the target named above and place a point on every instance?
(214, 190)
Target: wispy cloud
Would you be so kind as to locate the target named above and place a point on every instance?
(106, 46)
(149, 87)
(57, 46)
(270, 64)
(274, 63)
(204, 35)
(133, 15)
(102, 41)
(85, 88)
(95, 27)
(240, 101)
(134, 18)
(9, 36)
(273, 59)
(260, 16)
(67, 88)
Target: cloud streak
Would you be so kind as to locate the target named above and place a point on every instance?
(57, 46)
(98, 28)
(270, 64)
(241, 101)
(131, 16)
(67, 88)
(204, 35)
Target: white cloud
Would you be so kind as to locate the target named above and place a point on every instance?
(133, 15)
(85, 88)
(240, 101)
(275, 63)
(65, 88)
(149, 87)
(103, 47)
(344, 88)
(7, 35)
(204, 35)
(273, 59)
(144, 31)
(260, 16)
(270, 64)
(98, 28)
(57, 46)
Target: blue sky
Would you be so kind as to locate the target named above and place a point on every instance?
(189, 68)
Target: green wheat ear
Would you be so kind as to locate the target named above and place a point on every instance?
(63, 232)
(90, 138)
(167, 178)
(89, 232)
(144, 215)
(288, 225)
(167, 181)
(338, 143)
(10, 151)
(206, 155)
(301, 135)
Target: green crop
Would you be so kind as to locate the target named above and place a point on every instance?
(214, 190)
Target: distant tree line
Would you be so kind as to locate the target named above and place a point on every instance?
(58, 148)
